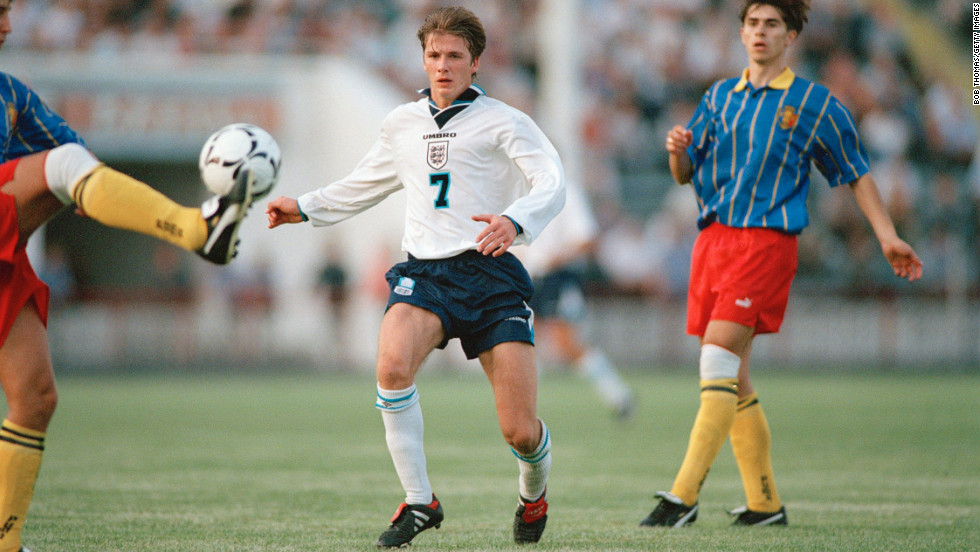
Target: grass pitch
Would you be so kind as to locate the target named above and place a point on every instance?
(876, 462)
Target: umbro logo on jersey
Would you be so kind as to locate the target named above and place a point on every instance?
(744, 303)
(438, 135)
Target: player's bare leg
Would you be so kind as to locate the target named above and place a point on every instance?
(26, 372)
(745, 387)
(35, 202)
(408, 334)
(733, 336)
(27, 378)
(513, 374)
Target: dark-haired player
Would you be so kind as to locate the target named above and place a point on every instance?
(747, 151)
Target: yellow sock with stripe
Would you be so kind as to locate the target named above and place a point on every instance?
(118, 200)
(20, 461)
(750, 443)
(711, 427)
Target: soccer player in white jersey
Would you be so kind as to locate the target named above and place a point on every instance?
(479, 176)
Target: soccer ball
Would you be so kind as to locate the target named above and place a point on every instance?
(233, 147)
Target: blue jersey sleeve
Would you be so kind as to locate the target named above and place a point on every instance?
(29, 125)
(699, 125)
(839, 154)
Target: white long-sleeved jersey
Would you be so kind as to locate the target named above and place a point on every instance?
(486, 158)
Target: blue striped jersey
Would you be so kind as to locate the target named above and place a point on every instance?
(753, 147)
(28, 124)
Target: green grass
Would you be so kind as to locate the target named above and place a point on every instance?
(882, 462)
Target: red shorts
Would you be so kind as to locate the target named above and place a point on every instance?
(741, 275)
(18, 283)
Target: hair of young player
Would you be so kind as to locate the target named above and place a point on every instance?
(794, 12)
(457, 21)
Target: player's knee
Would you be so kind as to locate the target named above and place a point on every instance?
(394, 373)
(524, 438)
(393, 376)
(47, 401)
(35, 408)
(64, 166)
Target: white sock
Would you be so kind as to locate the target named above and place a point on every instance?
(402, 416)
(64, 166)
(534, 467)
(611, 387)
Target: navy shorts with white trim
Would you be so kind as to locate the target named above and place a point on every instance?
(480, 299)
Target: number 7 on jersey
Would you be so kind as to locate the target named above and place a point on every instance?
(441, 180)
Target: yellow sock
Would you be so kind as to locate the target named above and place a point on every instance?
(20, 460)
(750, 443)
(711, 427)
(118, 200)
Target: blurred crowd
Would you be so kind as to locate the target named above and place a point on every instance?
(647, 63)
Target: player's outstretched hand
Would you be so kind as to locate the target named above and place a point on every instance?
(903, 259)
(497, 237)
(283, 210)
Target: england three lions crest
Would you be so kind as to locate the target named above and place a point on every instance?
(438, 154)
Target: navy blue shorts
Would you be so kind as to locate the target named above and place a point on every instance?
(482, 300)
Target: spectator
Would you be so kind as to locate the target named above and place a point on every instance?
(911, 119)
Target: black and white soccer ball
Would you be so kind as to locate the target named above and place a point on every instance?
(233, 147)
